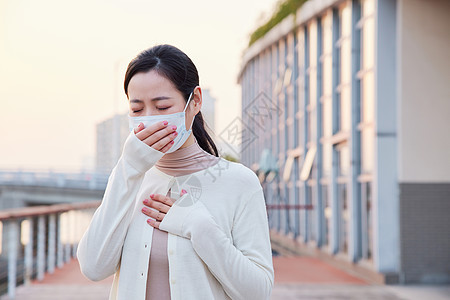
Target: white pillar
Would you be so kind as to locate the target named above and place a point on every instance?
(29, 253)
(13, 240)
(386, 191)
(41, 248)
(59, 246)
(51, 243)
(67, 236)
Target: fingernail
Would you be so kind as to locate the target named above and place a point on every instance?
(171, 142)
(174, 127)
(149, 221)
(140, 125)
(151, 196)
(165, 123)
(183, 191)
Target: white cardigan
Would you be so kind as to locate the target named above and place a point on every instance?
(218, 241)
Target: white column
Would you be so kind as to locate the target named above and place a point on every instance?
(386, 190)
(51, 243)
(59, 246)
(29, 253)
(41, 248)
(13, 240)
(354, 194)
(66, 229)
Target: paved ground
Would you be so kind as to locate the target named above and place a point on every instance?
(65, 284)
(295, 278)
(359, 292)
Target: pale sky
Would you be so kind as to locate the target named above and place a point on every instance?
(58, 58)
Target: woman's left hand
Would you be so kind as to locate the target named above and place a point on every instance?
(161, 204)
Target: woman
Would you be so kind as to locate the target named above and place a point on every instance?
(176, 221)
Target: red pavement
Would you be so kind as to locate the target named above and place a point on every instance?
(70, 274)
(288, 269)
(68, 283)
(305, 269)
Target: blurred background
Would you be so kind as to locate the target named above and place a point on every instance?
(339, 106)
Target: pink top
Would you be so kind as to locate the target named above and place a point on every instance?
(181, 162)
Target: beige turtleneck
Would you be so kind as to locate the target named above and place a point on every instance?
(181, 162)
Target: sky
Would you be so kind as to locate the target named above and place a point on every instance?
(62, 65)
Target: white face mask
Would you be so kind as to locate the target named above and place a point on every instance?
(177, 119)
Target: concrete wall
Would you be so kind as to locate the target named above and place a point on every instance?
(425, 231)
(424, 90)
(424, 144)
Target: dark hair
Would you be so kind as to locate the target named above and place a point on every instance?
(176, 66)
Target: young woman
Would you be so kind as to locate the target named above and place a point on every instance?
(176, 221)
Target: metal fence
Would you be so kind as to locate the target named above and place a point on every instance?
(36, 240)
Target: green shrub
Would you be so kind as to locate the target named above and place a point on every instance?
(284, 9)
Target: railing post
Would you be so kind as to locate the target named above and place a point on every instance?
(67, 237)
(59, 259)
(13, 239)
(51, 243)
(29, 253)
(74, 226)
(41, 248)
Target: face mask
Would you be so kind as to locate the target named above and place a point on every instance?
(177, 119)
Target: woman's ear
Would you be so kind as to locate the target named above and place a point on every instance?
(197, 99)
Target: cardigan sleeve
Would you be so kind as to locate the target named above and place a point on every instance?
(242, 265)
(100, 248)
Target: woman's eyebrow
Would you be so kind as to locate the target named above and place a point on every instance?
(161, 98)
(154, 99)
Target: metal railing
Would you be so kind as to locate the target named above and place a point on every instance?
(81, 180)
(35, 240)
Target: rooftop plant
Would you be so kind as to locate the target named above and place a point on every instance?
(283, 9)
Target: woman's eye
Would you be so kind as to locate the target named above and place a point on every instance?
(136, 111)
(163, 108)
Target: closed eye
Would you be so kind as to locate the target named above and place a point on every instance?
(136, 111)
(163, 108)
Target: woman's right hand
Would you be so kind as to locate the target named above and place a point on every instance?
(159, 136)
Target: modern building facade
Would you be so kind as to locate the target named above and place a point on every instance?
(351, 100)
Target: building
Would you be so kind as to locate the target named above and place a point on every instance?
(208, 109)
(111, 136)
(112, 133)
(350, 100)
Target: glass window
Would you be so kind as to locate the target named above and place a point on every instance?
(327, 88)
(300, 82)
(312, 78)
(327, 212)
(311, 220)
(282, 101)
(367, 86)
(343, 217)
(345, 68)
(366, 207)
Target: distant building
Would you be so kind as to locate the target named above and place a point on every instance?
(208, 109)
(111, 135)
(345, 115)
